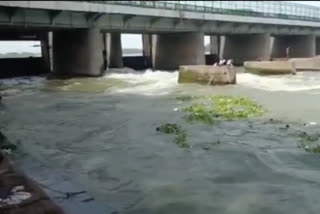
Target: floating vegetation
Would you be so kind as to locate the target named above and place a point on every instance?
(199, 112)
(223, 107)
(176, 130)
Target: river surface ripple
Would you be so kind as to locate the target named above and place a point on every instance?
(101, 133)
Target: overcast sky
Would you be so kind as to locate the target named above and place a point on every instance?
(128, 40)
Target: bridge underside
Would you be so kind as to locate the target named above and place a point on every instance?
(86, 42)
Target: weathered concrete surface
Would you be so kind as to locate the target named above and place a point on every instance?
(78, 52)
(115, 51)
(244, 47)
(270, 67)
(38, 203)
(306, 64)
(300, 46)
(177, 49)
(210, 75)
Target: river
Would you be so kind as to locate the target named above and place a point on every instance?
(101, 132)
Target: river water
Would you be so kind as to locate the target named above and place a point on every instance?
(101, 133)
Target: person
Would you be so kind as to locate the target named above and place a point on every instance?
(287, 52)
(222, 62)
(229, 62)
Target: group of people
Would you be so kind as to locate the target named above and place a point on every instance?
(223, 62)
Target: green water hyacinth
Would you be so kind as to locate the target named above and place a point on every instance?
(223, 107)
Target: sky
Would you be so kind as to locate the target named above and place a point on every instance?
(128, 40)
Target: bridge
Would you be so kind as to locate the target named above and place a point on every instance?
(82, 37)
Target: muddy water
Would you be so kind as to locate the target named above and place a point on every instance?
(101, 132)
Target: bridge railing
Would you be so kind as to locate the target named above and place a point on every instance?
(268, 9)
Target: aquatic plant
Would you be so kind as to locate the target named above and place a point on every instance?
(176, 130)
(199, 112)
(223, 107)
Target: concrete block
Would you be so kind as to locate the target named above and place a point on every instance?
(306, 64)
(209, 75)
(270, 67)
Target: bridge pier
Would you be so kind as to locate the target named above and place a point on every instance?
(147, 49)
(175, 49)
(115, 50)
(215, 45)
(317, 46)
(243, 47)
(300, 46)
(46, 51)
(78, 52)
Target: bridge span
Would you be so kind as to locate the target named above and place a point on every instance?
(82, 37)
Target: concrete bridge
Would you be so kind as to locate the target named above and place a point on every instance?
(82, 37)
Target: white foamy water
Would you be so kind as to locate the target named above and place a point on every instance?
(299, 82)
(147, 83)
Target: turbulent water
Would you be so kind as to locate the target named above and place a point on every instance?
(101, 132)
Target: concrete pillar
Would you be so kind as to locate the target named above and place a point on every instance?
(154, 41)
(78, 52)
(50, 43)
(115, 51)
(45, 51)
(300, 46)
(147, 49)
(317, 46)
(244, 47)
(175, 49)
(215, 45)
